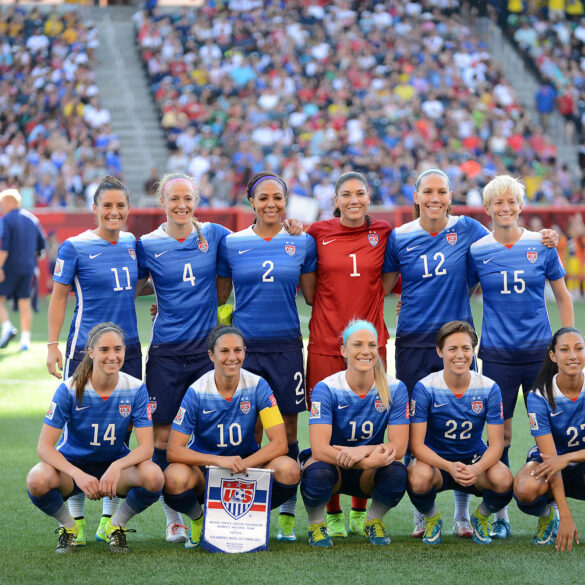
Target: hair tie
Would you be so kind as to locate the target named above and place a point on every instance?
(272, 177)
(432, 172)
(178, 179)
(357, 326)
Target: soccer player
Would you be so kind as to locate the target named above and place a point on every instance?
(23, 241)
(350, 414)
(215, 425)
(181, 258)
(555, 467)
(90, 416)
(449, 410)
(513, 266)
(265, 264)
(350, 250)
(100, 266)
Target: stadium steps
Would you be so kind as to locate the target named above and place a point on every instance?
(525, 83)
(125, 93)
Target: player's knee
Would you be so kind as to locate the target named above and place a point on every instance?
(288, 471)
(37, 483)
(176, 478)
(152, 477)
(526, 488)
(420, 477)
(317, 483)
(500, 478)
(390, 484)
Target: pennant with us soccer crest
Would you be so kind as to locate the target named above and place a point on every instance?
(290, 249)
(451, 238)
(532, 256)
(373, 238)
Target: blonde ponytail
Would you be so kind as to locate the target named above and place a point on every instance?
(381, 383)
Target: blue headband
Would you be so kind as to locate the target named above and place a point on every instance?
(357, 326)
(432, 172)
(272, 178)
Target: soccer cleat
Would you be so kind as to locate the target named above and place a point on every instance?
(23, 348)
(286, 531)
(500, 528)
(7, 336)
(419, 525)
(356, 522)
(336, 525)
(117, 537)
(81, 539)
(100, 533)
(433, 525)
(462, 528)
(67, 537)
(176, 532)
(376, 532)
(481, 528)
(194, 535)
(318, 535)
(545, 529)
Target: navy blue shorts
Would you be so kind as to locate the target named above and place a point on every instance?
(450, 484)
(95, 469)
(285, 373)
(131, 366)
(17, 286)
(167, 380)
(573, 476)
(509, 377)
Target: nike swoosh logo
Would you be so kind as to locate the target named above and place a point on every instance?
(81, 407)
(412, 248)
(160, 254)
(439, 405)
(208, 411)
(299, 401)
(92, 256)
(328, 242)
(244, 251)
(340, 406)
(555, 413)
(486, 261)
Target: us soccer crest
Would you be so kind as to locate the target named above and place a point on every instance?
(451, 238)
(477, 406)
(379, 405)
(132, 253)
(245, 406)
(290, 249)
(237, 496)
(203, 246)
(532, 256)
(125, 410)
(152, 404)
(373, 239)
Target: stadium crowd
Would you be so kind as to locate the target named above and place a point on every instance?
(55, 136)
(314, 88)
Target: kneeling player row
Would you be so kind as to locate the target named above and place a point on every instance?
(350, 415)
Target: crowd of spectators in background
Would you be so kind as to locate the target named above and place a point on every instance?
(311, 89)
(55, 138)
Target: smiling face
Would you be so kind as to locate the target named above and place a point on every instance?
(361, 351)
(269, 203)
(179, 200)
(504, 210)
(569, 354)
(228, 355)
(107, 353)
(457, 353)
(433, 197)
(353, 200)
(112, 210)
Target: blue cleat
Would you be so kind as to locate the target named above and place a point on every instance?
(318, 535)
(481, 528)
(500, 529)
(433, 525)
(545, 529)
(7, 336)
(376, 532)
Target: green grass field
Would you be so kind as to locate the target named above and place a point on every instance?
(27, 541)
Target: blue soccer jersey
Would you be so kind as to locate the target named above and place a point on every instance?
(566, 423)
(23, 239)
(515, 320)
(265, 275)
(221, 427)
(95, 430)
(455, 424)
(184, 278)
(357, 420)
(434, 277)
(103, 277)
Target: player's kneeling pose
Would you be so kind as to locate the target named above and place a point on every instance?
(220, 411)
(449, 410)
(92, 412)
(556, 466)
(350, 412)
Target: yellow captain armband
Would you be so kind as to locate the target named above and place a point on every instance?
(224, 314)
(270, 417)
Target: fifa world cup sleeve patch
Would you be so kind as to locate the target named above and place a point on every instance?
(271, 417)
(180, 415)
(533, 421)
(315, 410)
(59, 267)
(51, 410)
